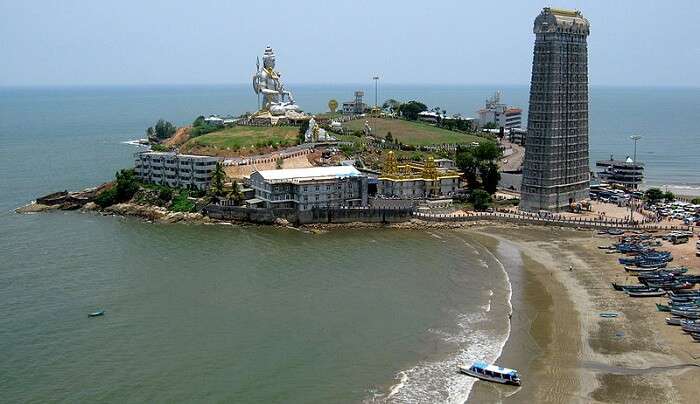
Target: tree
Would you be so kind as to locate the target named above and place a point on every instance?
(302, 131)
(480, 162)
(653, 195)
(411, 109)
(490, 176)
(488, 151)
(480, 199)
(669, 196)
(164, 129)
(235, 194)
(199, 121)
(695, 201)
(217, 180)
(127, 185)
(469, 165)
(490, 125)
(332, 105)
(124, 188)
(392, 105)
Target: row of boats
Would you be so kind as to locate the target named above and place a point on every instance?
(656, 279)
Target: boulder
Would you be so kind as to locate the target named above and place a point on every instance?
(281, 222)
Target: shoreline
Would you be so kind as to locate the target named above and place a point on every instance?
(565, 351)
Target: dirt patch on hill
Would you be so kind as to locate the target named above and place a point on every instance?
(180, 137)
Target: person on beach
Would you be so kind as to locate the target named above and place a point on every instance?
(571, 268)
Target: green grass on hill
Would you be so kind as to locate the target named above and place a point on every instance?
(243, 137)
(413, 133)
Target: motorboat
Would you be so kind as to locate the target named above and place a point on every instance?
(491, 373)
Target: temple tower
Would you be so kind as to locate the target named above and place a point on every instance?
(555, 169)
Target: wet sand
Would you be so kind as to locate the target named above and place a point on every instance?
(564, 350)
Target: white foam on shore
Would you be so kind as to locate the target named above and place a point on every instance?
(439, 381)
(135, 142)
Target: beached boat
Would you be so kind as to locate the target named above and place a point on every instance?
(695, 335)
(640, 269)
(690, 327)
(97, 313)
(620, 287)
(691, 314)
(673, 320)
(646, 293)
(491, 373)
(663, 307)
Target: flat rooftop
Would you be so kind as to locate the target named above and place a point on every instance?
(310, 173)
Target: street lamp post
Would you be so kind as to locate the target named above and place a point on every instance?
(635, 138)
(376, 91)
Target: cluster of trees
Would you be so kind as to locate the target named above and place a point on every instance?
(463, 125)
(161, 130)
(411, 109)
(408, 110)
(201, 127)
(480, 167)
(654, 195)
(124, 188)
(217, 189)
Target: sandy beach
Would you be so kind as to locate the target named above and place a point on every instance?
(565, 351)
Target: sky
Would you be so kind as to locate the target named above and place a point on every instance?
(126, 42)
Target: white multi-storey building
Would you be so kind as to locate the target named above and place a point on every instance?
(307, 188)
(175, 170)
(501, 115)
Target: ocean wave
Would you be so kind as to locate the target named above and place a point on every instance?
(135, 142)
(439, 381)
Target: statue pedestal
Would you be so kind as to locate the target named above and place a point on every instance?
(289, 117)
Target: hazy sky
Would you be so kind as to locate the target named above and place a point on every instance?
(67, 42)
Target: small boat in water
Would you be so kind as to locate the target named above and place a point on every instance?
(491, 373)
(97, 313)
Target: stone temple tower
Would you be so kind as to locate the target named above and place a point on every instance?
(555, 169)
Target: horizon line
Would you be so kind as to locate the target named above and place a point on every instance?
(369, 83)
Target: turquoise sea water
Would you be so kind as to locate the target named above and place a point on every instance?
(202, 313)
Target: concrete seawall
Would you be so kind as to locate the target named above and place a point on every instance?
(398, 215)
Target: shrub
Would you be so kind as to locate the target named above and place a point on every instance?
(159, 147)
(481, 199)
(124, 189)
(181, 203)
(108, 197)
(165, 194)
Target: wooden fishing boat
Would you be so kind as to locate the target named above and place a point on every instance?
(97, 313)
(690, 314)
(646, 293)
(663, 307)
(673, 320)
(620, 287)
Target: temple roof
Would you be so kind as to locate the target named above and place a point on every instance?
(561, 20)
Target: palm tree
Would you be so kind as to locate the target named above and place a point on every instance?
(217, 180)
(235, 194)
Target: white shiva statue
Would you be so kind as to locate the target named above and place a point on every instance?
(266, 81)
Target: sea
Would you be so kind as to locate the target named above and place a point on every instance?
(257, 314)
